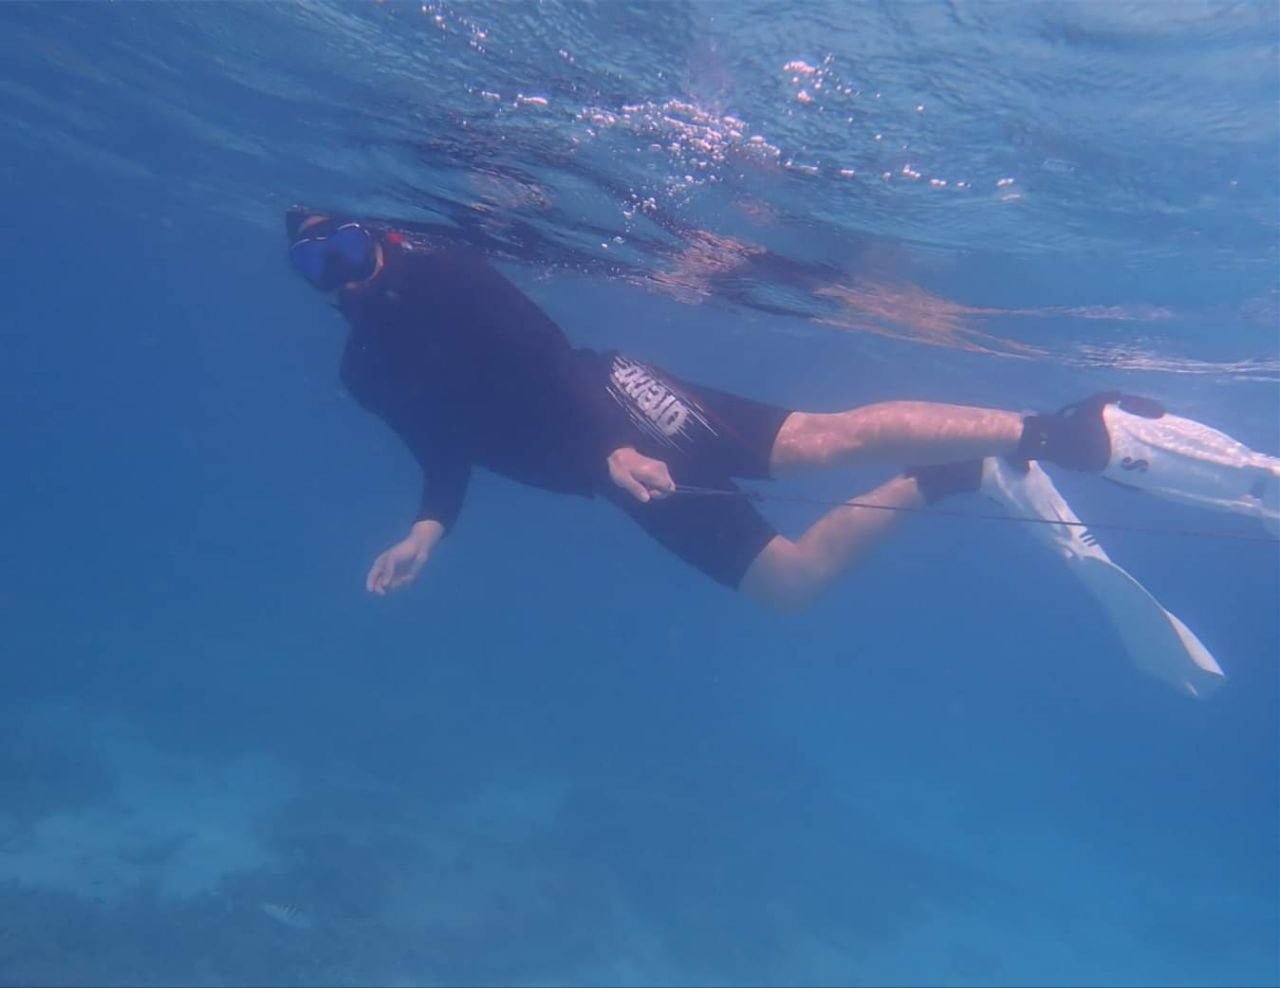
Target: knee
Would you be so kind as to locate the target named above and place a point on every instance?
(780, 579)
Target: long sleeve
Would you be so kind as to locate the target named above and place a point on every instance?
(444, 487)
(445, 466)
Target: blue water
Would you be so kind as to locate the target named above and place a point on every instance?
(563, 757)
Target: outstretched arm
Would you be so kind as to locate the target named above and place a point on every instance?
(444, 485)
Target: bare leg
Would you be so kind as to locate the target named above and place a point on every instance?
(787, 575)
(918, 433)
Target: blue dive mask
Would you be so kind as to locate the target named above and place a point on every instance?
(334, 258)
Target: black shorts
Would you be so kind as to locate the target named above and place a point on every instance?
(706, 437)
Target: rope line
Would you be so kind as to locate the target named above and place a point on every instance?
(978, 515)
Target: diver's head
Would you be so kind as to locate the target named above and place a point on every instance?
(330, 252)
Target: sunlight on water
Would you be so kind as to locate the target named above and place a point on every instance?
(538, 136)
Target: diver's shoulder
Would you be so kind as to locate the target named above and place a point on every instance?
(415, 256)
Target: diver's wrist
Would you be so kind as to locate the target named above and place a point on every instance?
(426, 532)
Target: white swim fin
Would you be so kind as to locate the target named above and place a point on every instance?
(1184, 460)
(1157, 642)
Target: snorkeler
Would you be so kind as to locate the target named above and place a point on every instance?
(470, 372)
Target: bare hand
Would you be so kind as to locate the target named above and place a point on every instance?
(398, 566)
(643, 477)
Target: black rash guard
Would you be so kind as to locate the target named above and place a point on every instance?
(469, 372)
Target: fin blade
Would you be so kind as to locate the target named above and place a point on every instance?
(1157, 641)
